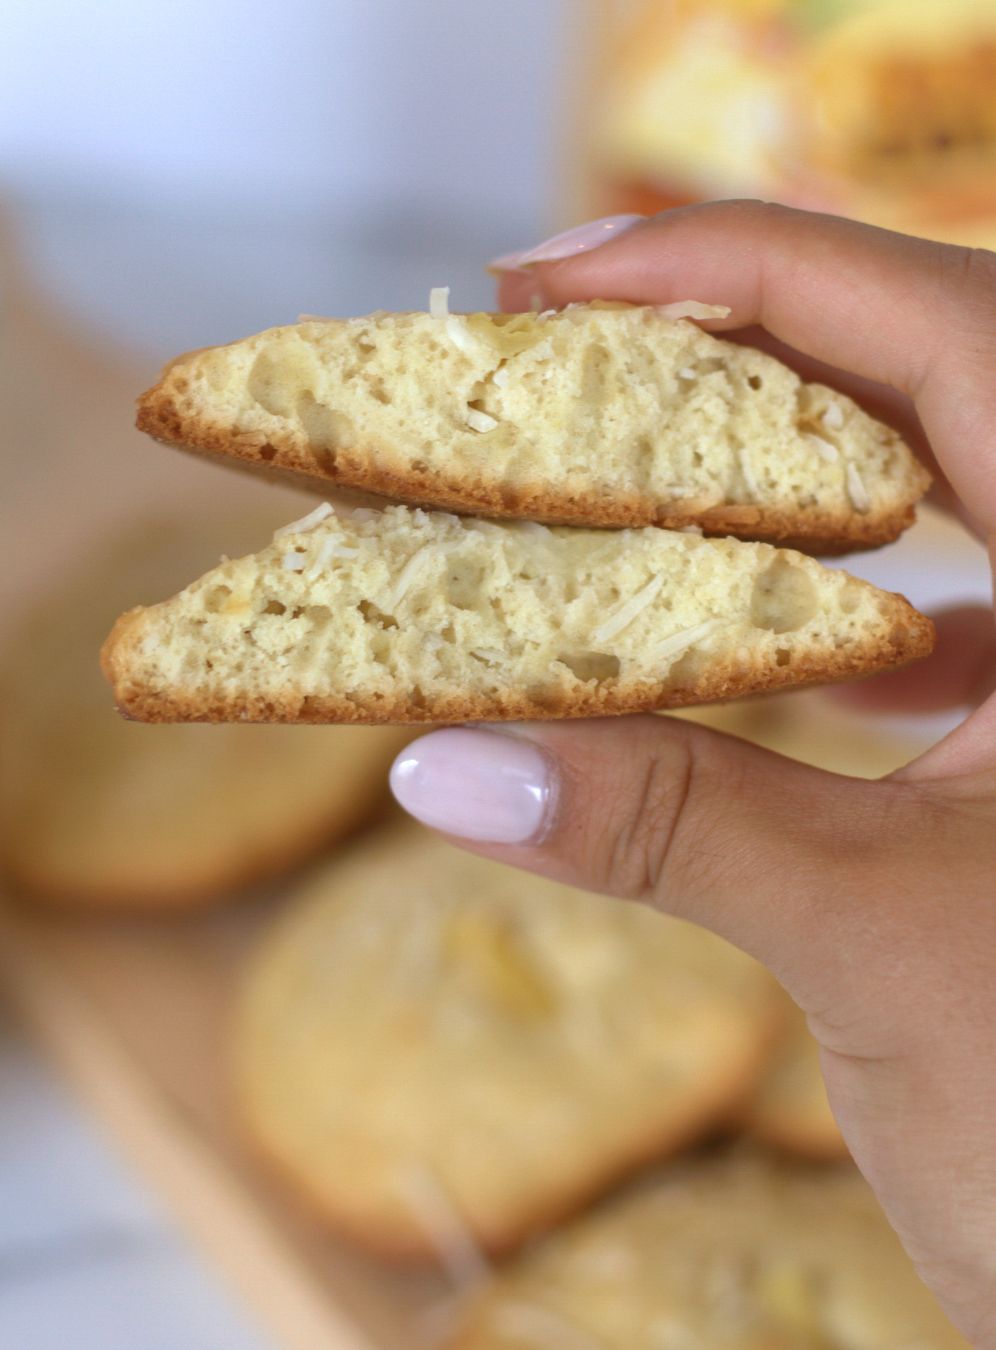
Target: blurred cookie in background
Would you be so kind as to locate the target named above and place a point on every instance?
(99, 812)
(881, 110)
(441, 1054)
(789, 1108)
(811, 727)
(731, 1252)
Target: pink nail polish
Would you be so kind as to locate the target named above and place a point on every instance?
(582, 239)
(476, 784)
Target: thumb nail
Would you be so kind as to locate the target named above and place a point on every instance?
(581, 239)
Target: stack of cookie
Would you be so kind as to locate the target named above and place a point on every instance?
(613, 420)
(444, 1058)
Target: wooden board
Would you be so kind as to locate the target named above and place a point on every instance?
(136, 1011)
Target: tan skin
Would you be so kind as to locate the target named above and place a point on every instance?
(873, 902)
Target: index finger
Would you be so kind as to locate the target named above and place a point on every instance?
(908, 313)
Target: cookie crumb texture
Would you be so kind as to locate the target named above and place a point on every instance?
(602, 414)
(432, 1048)
(732, 1253)
(411, 616)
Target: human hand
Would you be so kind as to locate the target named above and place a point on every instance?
(874, 903)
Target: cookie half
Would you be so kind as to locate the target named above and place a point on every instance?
(727, 1254)
(602, 414)
(430, 1044)
(412, 616)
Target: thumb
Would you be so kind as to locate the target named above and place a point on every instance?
(871, 901)
(773, 855)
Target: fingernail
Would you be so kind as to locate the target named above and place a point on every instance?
(479, 785)
(582, 239)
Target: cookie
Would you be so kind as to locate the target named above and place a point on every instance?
(601, 415)
(413, 616)
(431, 1047)
(95, 811)
(731, 1253)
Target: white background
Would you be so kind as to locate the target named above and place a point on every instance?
(184, 170)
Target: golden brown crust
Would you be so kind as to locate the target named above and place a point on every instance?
(810, 531)
(911, 637)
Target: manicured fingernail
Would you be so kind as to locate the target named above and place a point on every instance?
(480, 785)
(582, 239)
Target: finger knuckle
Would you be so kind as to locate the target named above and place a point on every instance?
(968, 276)
(642, 822)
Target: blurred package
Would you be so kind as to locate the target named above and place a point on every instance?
(881, 110)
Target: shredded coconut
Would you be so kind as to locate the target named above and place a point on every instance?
(833, 417)
(826, 450)
(305, 523)
(328, 549)
(750, 479)
(687, 373)
(501, 377)
(480, 421)
(482, 526)
(545, 314)
(856, 490)
(439, 302)
(459, 335)
(627, 612)
(364, 513)
(443, 1225)
(692, 309)
(293, 562)
(406, 577)
(678, 643)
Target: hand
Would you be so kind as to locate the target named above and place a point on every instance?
(873, 902)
